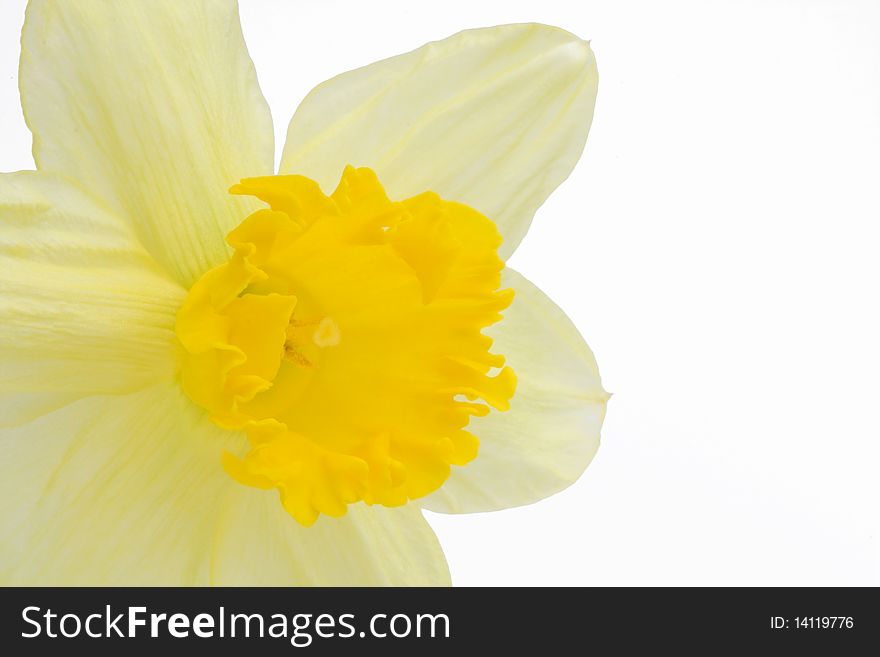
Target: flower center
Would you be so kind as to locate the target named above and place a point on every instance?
(344, 337)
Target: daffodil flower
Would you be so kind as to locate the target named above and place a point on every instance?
(268, 386)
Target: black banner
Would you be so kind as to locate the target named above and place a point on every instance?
(435, 621)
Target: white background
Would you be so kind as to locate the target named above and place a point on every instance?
(717, 246)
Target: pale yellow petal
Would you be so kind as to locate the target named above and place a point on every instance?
(368, 546)
(129, 490)
(495, 118)
(112, 491)
(84, 309)
(551, 432)
(155, 108)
